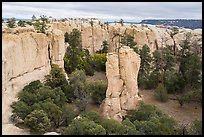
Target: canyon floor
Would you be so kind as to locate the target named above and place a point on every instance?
(184, 115)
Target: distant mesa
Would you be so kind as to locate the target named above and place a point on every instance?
(185, 23)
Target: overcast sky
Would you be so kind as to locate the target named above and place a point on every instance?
(111, 11)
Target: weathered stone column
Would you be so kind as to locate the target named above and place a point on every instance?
(122, 94)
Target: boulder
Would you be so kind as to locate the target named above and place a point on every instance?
(51, 133)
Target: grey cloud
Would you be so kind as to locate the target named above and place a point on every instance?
(104, 10)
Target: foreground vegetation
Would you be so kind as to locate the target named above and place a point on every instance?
(43, 109)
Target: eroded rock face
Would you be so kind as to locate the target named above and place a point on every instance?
(151, 35)
(56, 47)
(122, 94)
(26, 58)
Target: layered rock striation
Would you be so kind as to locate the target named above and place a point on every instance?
(151, 35)
(122, 93)
(26, 56)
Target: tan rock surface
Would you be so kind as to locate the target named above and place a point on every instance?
(26, 58)
(10, 129)
(57, 47)
(122, 92)
(153, 36)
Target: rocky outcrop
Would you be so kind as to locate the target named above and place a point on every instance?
(18, 30)
(26, 56)
(122, 93)
(154, 36)
(51, 133)
(10, 129)
(56, 47)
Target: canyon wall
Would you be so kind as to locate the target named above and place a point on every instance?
(154, 36)
(26, 56)
(122, 93)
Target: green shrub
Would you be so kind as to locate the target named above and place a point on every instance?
(113, 127)
(97, 90)
(33, 86)
(144, 113)
(156, 125)
(41, 24)
(21, 23)
(11, 23)
(128, 40)
(68, 114)
(56, 78)
(36, 96)
(86, 62)
(29, 92)
(38, 121)
(174, 83)
(59, 97)
(182, 99)
(66, 37)
(29, 23)
(127, 122)
(68, 90)
(84, 126)
(53, 111)
(21, 109)
(77, 76)
(104, 47)
(154, 79)
(56, 95)
(143, 82)
(78, 81)
(161, 93)
(149, 120)
(82, 102)
(130, 127)
(99, 62)
(94, 116)
(82, 97)
(28, 97)
(197, 94)
(196, 128)
(89, 70)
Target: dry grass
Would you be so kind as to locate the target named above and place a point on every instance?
(183, 115)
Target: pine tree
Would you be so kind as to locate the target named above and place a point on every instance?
(128, 40)
(168, 61)
(21, 23)
(41, 24)
(144, 66)
(11, 23)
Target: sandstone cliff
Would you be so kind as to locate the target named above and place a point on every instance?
(122, 94)
(26, 57)
(154, 36)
